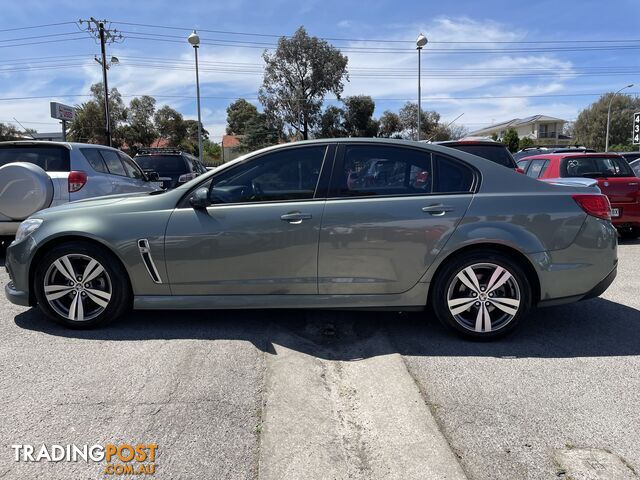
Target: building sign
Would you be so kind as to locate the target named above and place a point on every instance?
(62, 112)
(636, 128)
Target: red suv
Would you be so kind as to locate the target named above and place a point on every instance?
(615, 178)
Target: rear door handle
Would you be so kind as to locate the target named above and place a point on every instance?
(438, 209)
(295, 217)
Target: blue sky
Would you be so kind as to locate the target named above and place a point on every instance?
(504, 80)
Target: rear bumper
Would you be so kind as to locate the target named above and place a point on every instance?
(8, 228)
(629, 215)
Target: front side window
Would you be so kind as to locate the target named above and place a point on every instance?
(382, 170)
(131, 168)
(290, 174)
(112, 160)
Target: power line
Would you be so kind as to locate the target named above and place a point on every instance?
(35, 26)
(39, 36)
(44, 41)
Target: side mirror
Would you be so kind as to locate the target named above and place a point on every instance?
(200, 198)
(153, 176)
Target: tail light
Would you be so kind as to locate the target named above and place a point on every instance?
(594, 205)
(186, 177)
(519, 170)
(76, 180)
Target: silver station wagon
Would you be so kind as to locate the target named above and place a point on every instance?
(348, 223)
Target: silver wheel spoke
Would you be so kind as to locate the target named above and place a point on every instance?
(98, 296)
(507, 305)
(63, 265)
(53, 292)
(92, 270)
(468, 277)
(459, 305)
(494, 277)
(504, 278)
(72, 308)
(483, 320)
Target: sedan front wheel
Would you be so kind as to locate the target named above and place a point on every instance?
(80, 285)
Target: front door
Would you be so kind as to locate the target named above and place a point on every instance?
(260, 235)
(390, 210)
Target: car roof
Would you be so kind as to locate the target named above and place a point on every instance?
(572, 155)
(490, 143)
(69, 145)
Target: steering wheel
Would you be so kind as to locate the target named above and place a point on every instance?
(257, 189)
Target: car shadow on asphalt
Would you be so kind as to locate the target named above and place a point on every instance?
(591, 328)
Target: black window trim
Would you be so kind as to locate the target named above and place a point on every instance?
(340, 157)
(329, 157)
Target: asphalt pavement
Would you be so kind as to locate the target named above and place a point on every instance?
(208, 386)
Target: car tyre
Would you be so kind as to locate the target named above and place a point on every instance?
(67, 298)
(487, 305)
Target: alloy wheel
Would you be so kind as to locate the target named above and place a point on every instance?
(77, 287)
(483, 297)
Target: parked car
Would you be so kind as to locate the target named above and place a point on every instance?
(173, 166)
(635, 165)
(491, 150)
(615, 179)
(630, 156)
(282, 228)
(531, 151)
(36, 175)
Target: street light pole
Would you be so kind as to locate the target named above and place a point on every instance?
(421, 41)
(194, 40)
(606, 141)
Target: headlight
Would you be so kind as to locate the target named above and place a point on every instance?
(27, 227)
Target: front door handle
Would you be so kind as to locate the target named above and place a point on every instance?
(438, 209)
(295, 217)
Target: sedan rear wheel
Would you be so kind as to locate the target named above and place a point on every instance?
(81, 285)
(482, 295)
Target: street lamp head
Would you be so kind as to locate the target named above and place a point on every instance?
(629, 86)
(115, 60)
(194, 39)
(421, 41)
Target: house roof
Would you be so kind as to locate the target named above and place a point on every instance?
(230, 141)
(516, 122)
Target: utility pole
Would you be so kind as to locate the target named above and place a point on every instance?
(96, 28)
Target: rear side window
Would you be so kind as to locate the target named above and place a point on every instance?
(112, 160)
(95, 159)
(375, 170)
(496, 153)
(451, 176)
(48, 157)
(537, 168)
(594, 167)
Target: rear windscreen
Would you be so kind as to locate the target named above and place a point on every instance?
(498, 154)
(594, 167)
(47, 157)
(163, 164)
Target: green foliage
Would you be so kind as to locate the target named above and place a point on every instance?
(408, 115)
(331, 123)
(9, 132)
(211, 153)
(526, 142)
(494, 136)
(358, 116)
(511, 140)
(590, 128)
(170, 125)
(89, 124)
(238, 114)
(297, 77)
(389, 125)
(259, 133)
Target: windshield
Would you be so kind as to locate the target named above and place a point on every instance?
(595, 167)
(47, 157)
(496, 153)
(163, 164)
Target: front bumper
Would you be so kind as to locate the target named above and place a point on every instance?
(16, 296)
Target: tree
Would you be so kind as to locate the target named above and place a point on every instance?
(511, 140)
(389, 125)
(89, 124)
(170, 125)
(525, 142)
(140, 118)
(211, 153)
(590, 128)
(259, 133)
(409, 121)
(190, 141)
(238, 114)
(297, 77)
(358, 116)
(9, 132)
(330, 124)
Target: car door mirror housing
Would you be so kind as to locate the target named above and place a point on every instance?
(200, 198)
(153, 176)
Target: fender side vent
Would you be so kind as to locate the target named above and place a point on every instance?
(145, 253)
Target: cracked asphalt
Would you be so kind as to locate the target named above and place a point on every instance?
(194, 383)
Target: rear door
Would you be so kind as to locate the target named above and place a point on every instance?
(389, 211)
